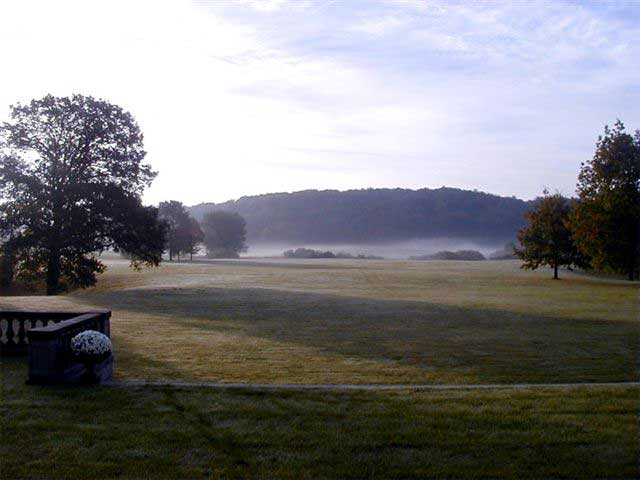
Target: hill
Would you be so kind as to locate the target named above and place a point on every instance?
(376, 215)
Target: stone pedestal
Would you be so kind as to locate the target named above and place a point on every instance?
(100, 372)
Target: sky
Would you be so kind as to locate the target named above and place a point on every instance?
(248, 97)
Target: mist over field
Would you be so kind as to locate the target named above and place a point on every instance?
(390, 250)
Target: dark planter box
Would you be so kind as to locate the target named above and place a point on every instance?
(103, 371)
(51, 360)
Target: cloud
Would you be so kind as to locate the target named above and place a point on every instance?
(249, 97)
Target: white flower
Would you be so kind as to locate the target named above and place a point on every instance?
(91, 342)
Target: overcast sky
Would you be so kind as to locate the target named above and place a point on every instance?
(248, 97)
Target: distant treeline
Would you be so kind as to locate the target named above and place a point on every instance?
(447, 255)
(310, 253)
(376, 215)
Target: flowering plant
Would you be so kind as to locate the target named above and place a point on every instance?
(91, 342)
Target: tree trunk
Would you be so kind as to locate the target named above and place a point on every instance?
(53, 272)
(634, 251)
(7, 267)
(170, 253)
(555, 271)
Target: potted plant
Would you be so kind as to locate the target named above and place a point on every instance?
(90, 348)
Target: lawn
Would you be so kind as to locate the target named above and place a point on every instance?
(111, 432)
(339, 321)
(335, 321)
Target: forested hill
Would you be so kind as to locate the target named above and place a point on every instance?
(373, 215)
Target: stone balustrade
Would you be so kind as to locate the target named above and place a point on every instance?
(14, 326)
(46, 337)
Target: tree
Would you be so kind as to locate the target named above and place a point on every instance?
(196, 236)
(606, 221)
(178, 227)
(225, 234)
(6, 264)
(546, 239)
(183, 232)
(71, 176)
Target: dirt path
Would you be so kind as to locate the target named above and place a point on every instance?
(343, 387)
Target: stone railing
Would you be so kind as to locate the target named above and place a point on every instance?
(50, 357)
(15, 325)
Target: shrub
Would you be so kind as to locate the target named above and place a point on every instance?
(91, 342)
(447, 255)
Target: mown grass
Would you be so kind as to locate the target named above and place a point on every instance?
(339, 322)
(342, 321)
(113, 432)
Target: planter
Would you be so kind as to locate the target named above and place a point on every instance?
(97, 368)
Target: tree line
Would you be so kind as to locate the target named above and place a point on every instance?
(222, 233)
(600, 229)
(378, 215)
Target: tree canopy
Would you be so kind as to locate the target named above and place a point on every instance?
(606, 221)
(375, 215)
(225, 234)
(71, 176)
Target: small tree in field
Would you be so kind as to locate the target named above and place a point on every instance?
(225, 234)
(71, 176)
(183, 232)
(546, 240)
(178, 224)
(195, 236)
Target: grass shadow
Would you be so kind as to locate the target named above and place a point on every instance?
(482, 345)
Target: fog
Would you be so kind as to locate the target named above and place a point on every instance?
(392, 250)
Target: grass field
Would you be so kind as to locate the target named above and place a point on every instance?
(339, 321)
(190, 433)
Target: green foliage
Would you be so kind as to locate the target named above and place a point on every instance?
(182, 230)
(606, 222)
(71, 176)
(353, 216)
(547, 240)
(225, 234)
(473, 255)
(310, 253)
(195, 237)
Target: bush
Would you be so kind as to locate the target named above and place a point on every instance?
(310, 253)
(447, 255)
